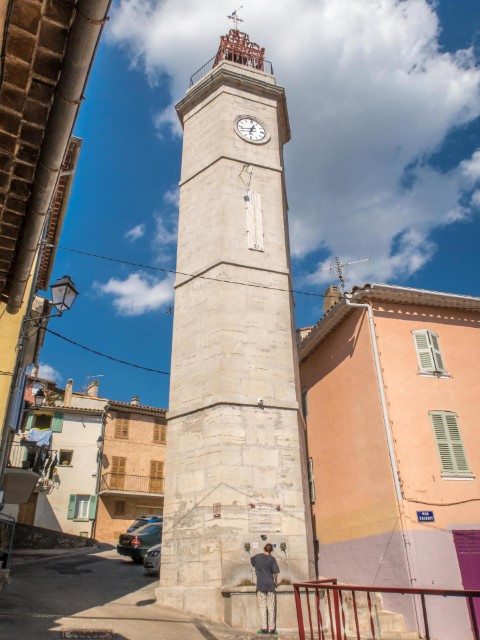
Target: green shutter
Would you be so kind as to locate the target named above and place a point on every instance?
(92, 508)
(29, 424)
(449, 443)
(71, 507)
(57, 423)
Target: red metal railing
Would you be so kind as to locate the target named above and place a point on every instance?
(328, 611)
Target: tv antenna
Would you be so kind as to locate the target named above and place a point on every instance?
(234, 16)
(340, 268)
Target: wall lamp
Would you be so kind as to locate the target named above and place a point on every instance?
(64, 293)
(38, 398)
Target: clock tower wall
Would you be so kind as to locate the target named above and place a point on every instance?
(236, 465)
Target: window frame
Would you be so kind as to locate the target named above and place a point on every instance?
(68, 464)
(119, 513)
(78, 502)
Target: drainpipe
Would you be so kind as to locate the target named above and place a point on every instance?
(391, 451)
(81, 47)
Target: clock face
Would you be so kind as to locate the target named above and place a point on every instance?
(251, 129)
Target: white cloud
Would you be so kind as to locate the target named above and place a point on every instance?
(371, 98)
(165, 230)
(135, 233)
(138, 294)
(172, 197)
(48, 372)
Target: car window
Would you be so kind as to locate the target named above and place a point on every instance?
(138, 523)
(148, 529)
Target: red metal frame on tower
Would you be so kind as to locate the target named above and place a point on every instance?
(236, 47)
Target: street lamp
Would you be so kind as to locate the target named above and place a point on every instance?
(38, 398)
(99, 442)
(64, 293)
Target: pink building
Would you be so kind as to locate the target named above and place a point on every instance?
(390, 377)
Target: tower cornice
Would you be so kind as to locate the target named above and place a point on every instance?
(229, 74)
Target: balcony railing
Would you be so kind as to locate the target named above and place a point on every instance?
(208, 66)
(113, 482)
(29, 456)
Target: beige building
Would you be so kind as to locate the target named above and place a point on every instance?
(390, 383)
(132, 467)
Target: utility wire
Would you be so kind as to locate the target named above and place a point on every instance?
(188, 275)
(104, 355)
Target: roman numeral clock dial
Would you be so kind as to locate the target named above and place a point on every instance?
(251, 129)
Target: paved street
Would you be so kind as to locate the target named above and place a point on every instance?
(95, 590)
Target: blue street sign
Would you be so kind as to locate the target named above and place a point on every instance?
(425, 516)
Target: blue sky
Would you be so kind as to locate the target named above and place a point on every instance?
(384, 163)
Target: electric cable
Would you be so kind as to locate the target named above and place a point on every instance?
(104, 355)
(181, 273)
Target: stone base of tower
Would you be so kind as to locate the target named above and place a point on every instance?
(236, 606)
(202, 601)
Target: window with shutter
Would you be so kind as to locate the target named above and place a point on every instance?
(71, 506)
(451, 451)
(121, 426)
(119, 465)
(92, 507)
(429, 355)
(29, 423)
(311, 481)
(159, 433)
(304, 404)
(57, 422)
(156, 476)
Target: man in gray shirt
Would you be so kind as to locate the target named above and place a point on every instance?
(267, 570)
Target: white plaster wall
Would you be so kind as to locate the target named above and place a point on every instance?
(371, 561)
(80, 434)
(380, 561)
(438, 568)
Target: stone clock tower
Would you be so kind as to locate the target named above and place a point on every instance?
(236, 469)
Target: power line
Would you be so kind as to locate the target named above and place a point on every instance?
(104, 355)
(181, 273)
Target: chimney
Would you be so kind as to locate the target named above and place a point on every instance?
(67, 398)
(135, 401)
(331, 297)
(92, 389)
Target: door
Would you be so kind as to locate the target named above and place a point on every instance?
(467, 545)
(118, 472)
(26, 511)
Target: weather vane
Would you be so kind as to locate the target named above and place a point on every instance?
(235, 17)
